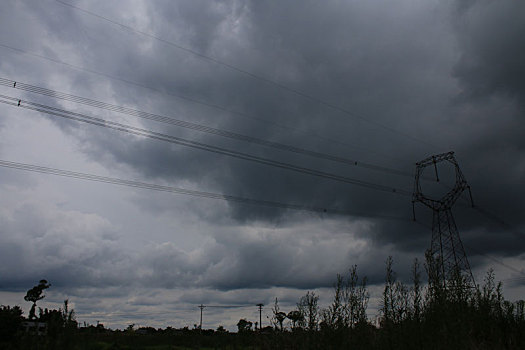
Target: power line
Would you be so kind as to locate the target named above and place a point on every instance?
(229, 306)
(253, 75)
(178, 190)
(198, 145)
(183, 97)
(194, 126)
(495, 218)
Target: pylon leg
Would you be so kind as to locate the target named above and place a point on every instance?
(447, 250)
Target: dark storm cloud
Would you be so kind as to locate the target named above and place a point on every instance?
(395, 70)
(314, 66)
(492, 50)
(397, 66)
(489, 71)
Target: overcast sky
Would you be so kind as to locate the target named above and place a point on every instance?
(378, 82)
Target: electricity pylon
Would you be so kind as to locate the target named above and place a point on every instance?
(446, 249)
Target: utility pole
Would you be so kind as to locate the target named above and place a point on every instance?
(260, 315)
(446, 250)
(201, 307)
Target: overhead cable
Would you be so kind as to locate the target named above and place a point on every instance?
(178, 190)
(229, 306)
(494, 218)
(198, 145)
(194, 126)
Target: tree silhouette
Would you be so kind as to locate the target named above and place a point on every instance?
(244, 326)
(309, 310)
(350, 302)
(35, 294)
(278, 316)
(295, 316)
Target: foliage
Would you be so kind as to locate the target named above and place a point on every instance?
(244, 326)
(438, 314)
(349, 305)
(278, 316)
(309, 310)
(10, 324)
(297, 318)
(35, 294)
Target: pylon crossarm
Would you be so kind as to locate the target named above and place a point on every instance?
(435, 159)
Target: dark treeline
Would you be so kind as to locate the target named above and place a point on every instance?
(423, 314)
(437, 314)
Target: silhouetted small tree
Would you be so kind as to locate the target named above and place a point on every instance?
(244, 326)
(333, 316)
(278, 316)
(350, 303)
(309, 310)
(35, 294)
(388, 299)
(296, 317)
(417, 293)
(356, 299)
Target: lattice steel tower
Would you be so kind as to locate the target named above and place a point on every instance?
(446, 248)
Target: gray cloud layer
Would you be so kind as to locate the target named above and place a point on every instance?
(445, 76)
